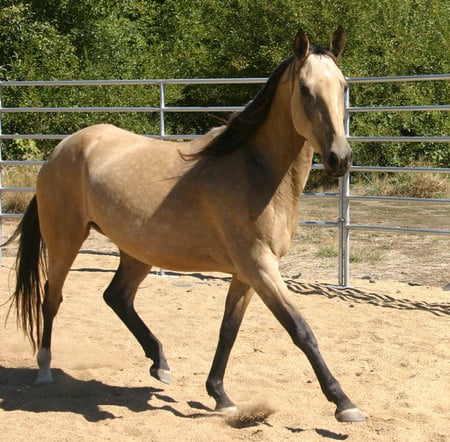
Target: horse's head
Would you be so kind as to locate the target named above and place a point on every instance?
(317, 103)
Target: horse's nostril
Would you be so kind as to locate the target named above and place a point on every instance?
(333, 161)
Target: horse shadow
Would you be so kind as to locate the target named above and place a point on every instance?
(86, 398)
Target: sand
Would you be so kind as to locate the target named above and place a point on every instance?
(387, 343)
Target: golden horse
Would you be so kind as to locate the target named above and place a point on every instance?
(227, 202)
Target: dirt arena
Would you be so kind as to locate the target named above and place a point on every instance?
(387, 343)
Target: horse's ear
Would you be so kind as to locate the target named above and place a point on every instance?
(301, 45)
(337, 42)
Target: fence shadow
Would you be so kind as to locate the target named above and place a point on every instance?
(348, 294)
(354, 295)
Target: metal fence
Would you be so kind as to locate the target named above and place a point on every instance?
(343, 196)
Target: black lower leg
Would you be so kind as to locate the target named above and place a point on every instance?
(214, 383)
(304, 338)
(238, 298)
(151, 345)
(273, 292)
(120, 296)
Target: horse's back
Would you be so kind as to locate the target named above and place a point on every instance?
(99, 142)
(107, 151)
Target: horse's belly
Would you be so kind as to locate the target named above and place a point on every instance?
(184, 254)
(183, 240)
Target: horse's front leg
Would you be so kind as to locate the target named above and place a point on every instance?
(273, 291)
(238, 298)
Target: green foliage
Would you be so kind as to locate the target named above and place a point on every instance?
(34, 48)
(327, 252)
(27, 150)
(102, 39)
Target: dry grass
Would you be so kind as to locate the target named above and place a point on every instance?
(17, 176)
(407, 184)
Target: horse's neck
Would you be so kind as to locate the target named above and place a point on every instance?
(280, 148)
(287, 161)
(286, 155)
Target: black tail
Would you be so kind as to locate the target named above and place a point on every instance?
(30, 270)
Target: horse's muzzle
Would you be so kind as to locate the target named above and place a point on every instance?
(337, 165)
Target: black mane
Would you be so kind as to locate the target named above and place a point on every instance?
(243, 125)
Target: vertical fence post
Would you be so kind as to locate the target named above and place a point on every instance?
(162, 130)
(162, 105)
(344, 231)
(1, 177)
(344, 210)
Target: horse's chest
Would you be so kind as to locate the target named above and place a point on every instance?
(276, 226)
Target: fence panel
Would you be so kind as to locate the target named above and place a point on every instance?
(344, 197)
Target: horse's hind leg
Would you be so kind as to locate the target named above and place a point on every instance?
(61, 254)
(120, 296)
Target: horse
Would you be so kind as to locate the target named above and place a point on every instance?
(227, 202)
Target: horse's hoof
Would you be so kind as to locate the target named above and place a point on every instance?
(350, 415)
(44, 379)
(161, 374)
(227, 409)
(44, 376)
(44, 358)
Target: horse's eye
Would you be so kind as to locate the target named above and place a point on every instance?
(304, 90)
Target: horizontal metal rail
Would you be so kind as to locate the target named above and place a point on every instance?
(402, 139)
(398, 229)
(124, 109)
(21, 163)
(400, 169)
(398, 78)
(372, 109)
(195, 81)
(143, 82)
(398, 198)
(361, 139)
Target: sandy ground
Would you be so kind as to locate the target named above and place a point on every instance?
(386, 342)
